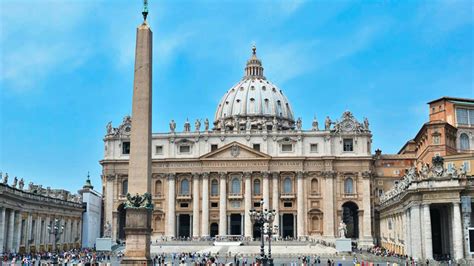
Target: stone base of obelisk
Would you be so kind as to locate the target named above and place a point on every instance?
(137, 233)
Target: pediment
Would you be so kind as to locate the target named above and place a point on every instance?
(235, 151)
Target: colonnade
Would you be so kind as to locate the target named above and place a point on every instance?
(410, 232)
(22, 231)
(200, 209)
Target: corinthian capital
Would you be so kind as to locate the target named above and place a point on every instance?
(171, 176)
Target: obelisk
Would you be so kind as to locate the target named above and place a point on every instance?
(138, 206)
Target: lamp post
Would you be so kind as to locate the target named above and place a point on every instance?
(260, 218)
(270, 232)
(55, 228)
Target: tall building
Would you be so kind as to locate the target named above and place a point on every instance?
(428, 214)
(206, 179)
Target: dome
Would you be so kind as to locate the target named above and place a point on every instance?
(254, 103)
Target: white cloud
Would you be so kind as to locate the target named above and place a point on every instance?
(297, 58)
(289, 7)
(25, 63)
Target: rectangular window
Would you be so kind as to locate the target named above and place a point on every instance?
(348, 145)
(286, 147)
(467, 166)
(184, 149)
(313, 147)
(471, 117)
(450, 166)
(287, 204)
(256, 204)
(214, 205)
(256, 147)
(380, 192)
(159, 149)
(184, 205)
(214, 147)
(126, 147)
(462, 116)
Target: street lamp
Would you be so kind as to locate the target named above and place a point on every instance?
(260, 218)
(270, 232)
(55, 228)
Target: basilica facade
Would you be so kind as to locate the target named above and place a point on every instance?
(255, 154)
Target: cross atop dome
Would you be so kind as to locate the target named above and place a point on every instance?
(254, 67)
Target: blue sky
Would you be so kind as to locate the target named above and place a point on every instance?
(67, 68)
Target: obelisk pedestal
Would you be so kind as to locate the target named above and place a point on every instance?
(138, 205)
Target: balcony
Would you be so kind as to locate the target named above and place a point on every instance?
(184, 197)
(287, 195)
(235, 195)
(349, 195)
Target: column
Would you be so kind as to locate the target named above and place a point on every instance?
(11, 223)
(195, 205)
(248, 232)
(222, 205)
(38, 231)
(457, 232)
(407, 241)
(109, 205)
(329, 205)
(300, 205)
(2, 229)
(46, 233)
(205, 205)
(367, 217)
(170, 227)
(427, 239)
(17, 234)
(29, 224)
(415, 232)
(276, 199)
(266, 192)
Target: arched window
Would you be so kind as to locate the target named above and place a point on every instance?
(235, 186)
(256, 187)
(287, 185)
(348, 186)
(184, 187)
(464, 142)
(158, 188)
(125, 187)
(214, 187)
(314, 186)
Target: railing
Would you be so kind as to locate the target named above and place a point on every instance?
(184, 196)
(287, 195)
(235, 195)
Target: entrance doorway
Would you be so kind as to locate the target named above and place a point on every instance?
(288, 227)
(184, 229)
(122, 217)
(350, 216)
(214, 229)
(440, 233)
(236, 224)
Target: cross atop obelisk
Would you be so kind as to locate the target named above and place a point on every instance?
(145, 9)
(138, 205)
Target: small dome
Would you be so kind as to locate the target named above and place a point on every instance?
(255, 99)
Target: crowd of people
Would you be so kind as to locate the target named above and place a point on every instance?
(73, 256)
(237, 260)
